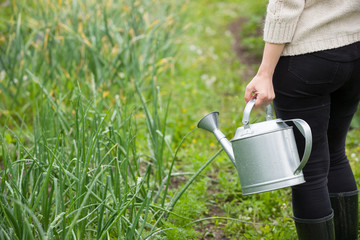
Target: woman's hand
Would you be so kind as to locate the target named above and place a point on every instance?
(261, 86)
(262, 89)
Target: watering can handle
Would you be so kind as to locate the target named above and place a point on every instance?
(305, 130)
(248, 108)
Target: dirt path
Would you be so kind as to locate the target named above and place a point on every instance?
(242, 53)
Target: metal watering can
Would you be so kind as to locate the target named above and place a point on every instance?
(264, 154)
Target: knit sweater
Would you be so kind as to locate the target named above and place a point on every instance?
(312, 25)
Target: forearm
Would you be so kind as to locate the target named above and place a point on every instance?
(280, 25)
(261, 85)
(271, 55)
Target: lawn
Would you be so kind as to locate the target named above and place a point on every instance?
(99, 102)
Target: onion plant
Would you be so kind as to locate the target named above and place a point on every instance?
(84, 146)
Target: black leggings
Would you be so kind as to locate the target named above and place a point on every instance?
(324, 90)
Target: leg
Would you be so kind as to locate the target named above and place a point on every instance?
(344, 103)
(303, 86)
(326, 96)
(341, 182)
(301, 92)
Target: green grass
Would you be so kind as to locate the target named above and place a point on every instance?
(98, 110)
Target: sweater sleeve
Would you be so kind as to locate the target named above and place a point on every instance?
(281, 20)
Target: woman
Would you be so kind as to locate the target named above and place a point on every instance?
(311, 69)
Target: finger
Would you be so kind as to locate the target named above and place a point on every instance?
(261, 100)
(249, 94)
(264, 100)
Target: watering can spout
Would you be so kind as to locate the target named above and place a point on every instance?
(210, 123)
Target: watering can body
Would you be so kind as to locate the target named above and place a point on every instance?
(264, 154)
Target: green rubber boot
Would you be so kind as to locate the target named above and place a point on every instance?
(345, 206)
(315, 229)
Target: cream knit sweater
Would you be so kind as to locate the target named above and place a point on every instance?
(312, 25)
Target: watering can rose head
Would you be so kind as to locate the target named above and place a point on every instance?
(264, 154)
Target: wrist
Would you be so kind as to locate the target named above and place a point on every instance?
(265, 72)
